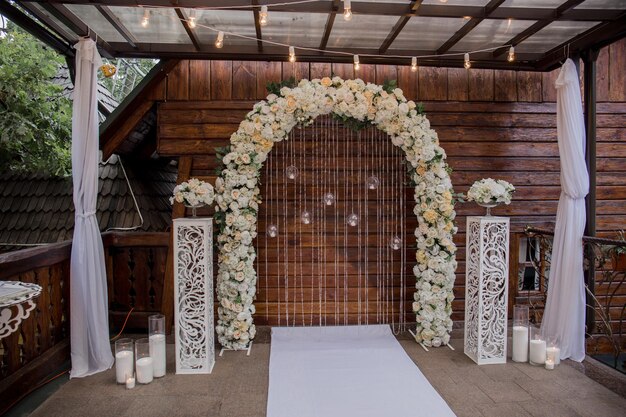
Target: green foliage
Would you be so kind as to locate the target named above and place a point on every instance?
(390, 85)
(274, 88)
(130, 72)
(35, 119)
(352, 123)
(220, 153)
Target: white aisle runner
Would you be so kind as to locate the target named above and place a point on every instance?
(346, 371)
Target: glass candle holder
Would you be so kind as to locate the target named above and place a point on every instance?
(550, 359)
(520, 333)
(143, 361)
(553, 349)
(537, 349)
(156, 328)
(124, 362)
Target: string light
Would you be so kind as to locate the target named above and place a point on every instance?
(467, 63)
(145, 21)
(263, 16)
(347, 10)
(219, 42)
(356, 63)
(511, 56)
(292, 54)
(414, 64)
(192, 19)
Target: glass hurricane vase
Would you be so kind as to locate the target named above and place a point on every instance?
(194, 208)
(488, 206)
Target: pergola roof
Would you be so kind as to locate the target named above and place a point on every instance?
(543, 32)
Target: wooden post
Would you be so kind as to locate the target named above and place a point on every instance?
(589, 58)
(167, 304)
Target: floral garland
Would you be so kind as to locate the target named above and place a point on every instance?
(238, 197)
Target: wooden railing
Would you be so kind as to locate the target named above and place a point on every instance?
(605, 261)
(40, 345)
(135, 264)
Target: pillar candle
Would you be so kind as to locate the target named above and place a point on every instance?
(520, 344)
(130, 383)
(556, 352)
(144, 370)
(123, 366)
(537, 352)
(157, 353)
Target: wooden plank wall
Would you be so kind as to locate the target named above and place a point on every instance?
(492, 123)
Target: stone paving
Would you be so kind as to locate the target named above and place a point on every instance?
(238, 388)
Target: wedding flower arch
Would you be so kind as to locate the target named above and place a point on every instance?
(238, 197)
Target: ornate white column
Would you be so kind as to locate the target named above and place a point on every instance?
(486, 289)
(193, 295)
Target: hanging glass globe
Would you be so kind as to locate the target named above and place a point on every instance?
(305, 217)
(395, 243)
(352, 220)
(329, 199)
(292, 172)
(272, 230)
(373, 182)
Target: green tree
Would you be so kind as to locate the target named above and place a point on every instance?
(35, 118)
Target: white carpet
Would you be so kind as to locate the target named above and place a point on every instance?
(346, 371)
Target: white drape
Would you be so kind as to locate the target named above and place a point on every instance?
(91, 351)
(564, 316)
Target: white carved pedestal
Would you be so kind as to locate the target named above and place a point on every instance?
(193, 295)
(486, 289)
(14, 310)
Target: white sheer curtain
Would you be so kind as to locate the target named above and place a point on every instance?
(91, 350)
(564, 315)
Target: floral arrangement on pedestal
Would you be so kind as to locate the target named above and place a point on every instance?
(358, 105)
(193, 193)
(491, 192)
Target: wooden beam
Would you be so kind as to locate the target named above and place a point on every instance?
(192, 35)
(536, 27)
(124, 130)
(397, 28)
(330, 21)
(167, 301)
(257, 25)
(68, 36)
(468, 26)
(40, 32)
(371, 8)
(118, 25)
(69, 19)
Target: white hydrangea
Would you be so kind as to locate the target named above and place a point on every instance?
(490, 191)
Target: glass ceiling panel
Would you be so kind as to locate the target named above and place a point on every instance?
(490, 33)
(67, 30)
(553, 35)
(164, 26)
(295, 28)
(236, 21)
(427, 33)
(602, 4)
(363, 31)
(546, 4)
(94, 19)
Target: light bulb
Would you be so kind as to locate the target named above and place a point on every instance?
(373, 182)
(145, 21)
(263, 16)
(467, 64)
(395, 243)
(219, 42)
(329, 199)
(291, 172)
(305, 217)
(352, 220)
(272, 230)
(192, 22)
(347, 10)
(292, 54)
(511, 56)
(356, 63)
(414, 64)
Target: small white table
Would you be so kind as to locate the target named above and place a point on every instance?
(16, 309)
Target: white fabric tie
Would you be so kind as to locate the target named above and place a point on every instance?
(86, 214)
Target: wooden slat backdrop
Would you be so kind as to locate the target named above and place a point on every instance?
(499, 124)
